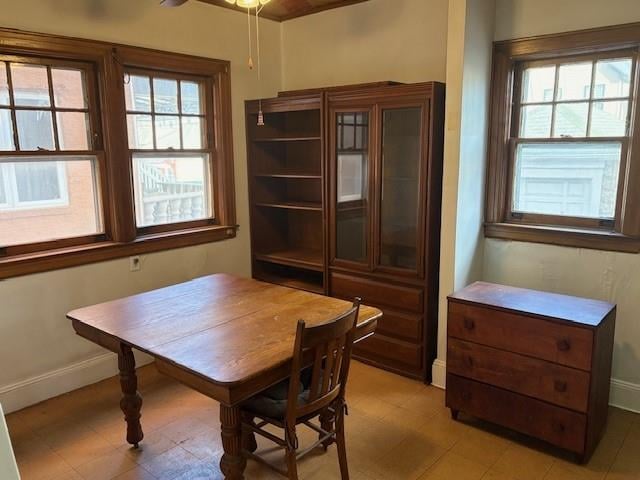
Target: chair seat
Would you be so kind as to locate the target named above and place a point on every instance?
(272, 402)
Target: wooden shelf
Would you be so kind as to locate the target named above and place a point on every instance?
(288, 139)
(310, 206)
(301, 258)
(299, 283)
(292, 175)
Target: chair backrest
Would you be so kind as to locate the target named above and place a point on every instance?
(328, 347)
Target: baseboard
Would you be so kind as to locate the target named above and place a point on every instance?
(439, 374)
(625, 395)
(56, 382)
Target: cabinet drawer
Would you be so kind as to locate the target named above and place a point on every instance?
(400, 325)
(563, 344)
(556, 425)
(378, 293)
(540, 379)
(389, 351)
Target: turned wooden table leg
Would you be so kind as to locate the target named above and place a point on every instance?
(131, 401)
(233, 461)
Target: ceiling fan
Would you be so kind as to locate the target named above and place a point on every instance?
(240, 3)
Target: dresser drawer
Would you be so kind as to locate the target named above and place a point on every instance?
(556, 425)
(377, 293)
(555, 342)
(540, 379)
(398, 354)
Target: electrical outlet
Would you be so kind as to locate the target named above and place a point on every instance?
(135, 264)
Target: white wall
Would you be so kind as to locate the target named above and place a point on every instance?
(614, 277)
(469, 46)
(39, 353)
(402, 40)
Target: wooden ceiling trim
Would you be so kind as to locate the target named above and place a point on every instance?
(282, 10)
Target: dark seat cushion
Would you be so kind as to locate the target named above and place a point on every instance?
(272, 402)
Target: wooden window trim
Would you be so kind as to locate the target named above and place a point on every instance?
(121, 237)
(624, 235)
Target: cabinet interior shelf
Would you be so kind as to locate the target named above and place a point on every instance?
(298, 283)
(311, 206)
(302, 258)
(292, 175)
(300, 138)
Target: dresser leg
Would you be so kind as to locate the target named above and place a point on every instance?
(131, 401)
(455, 413)
(233, 462)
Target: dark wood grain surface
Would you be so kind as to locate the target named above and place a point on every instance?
(552, 305)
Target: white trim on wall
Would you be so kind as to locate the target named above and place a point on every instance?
(62, 380)
(625, 395)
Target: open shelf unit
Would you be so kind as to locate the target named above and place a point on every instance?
(286, 175)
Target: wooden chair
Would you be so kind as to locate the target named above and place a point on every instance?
(315, 391)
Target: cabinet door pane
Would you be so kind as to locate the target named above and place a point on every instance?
(352, 203)
(400, 187)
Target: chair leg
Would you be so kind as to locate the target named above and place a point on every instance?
(292, 466)
(327, 423)
(341, 444)
(248, 437)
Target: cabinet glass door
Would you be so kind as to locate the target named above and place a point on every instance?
(352, 186)
(400, 195)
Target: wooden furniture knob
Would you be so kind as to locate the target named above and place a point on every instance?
(469, 324)
(564, 345)
(470, 361)
(560, 386)
(466, 396)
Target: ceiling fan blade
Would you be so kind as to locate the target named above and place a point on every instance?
(172, 3)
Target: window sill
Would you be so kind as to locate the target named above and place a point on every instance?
(19, 265)
(567, 237)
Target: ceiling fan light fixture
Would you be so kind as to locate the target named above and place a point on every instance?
(248, 3)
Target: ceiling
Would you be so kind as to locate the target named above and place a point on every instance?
(281, 10)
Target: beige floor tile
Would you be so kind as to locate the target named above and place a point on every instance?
(137, 473)
(524, 463)
(106, 467)
(481, 446)
(452, 466)
(171, 464)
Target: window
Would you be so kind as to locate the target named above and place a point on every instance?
(560, 170)
(166, 122)
(49, 182)
(109, 151)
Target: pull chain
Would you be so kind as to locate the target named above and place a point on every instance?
(260, 114)
(250, 47)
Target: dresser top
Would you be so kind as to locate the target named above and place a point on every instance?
(564, 307)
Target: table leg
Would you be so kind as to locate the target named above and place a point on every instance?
(131, 401)
(233, 462)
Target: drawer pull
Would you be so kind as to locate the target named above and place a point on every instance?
(558, 427)
(469, 324)
(466, 396)
(469, 361)
(564, 345)
(560, 386)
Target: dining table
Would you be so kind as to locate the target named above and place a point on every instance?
(226, 336)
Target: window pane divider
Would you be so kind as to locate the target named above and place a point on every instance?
(54, 117)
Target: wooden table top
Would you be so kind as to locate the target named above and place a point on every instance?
(222, 328)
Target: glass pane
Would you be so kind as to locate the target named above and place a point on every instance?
(171, 188)
(140, 131)
(574, 81)
(400, 187)
(68, 88)
(571, 120)
(538, 84)
(167, 132)
(137, 92)
(577, 179)
(165, 95)
(4, 86)
(613, 78)
(59, 195)
(536, 121)
(6, 131)
(192, 134)
(73, 130)
(609, 119)
(3, 188)
(352, 194)
(190, 96)
(35, 129)
(30, 85)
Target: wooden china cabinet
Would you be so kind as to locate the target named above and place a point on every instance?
(376, 155)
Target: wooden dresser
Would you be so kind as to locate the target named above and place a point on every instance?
(536, 362)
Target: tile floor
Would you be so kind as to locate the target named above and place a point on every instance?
(397, 429)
